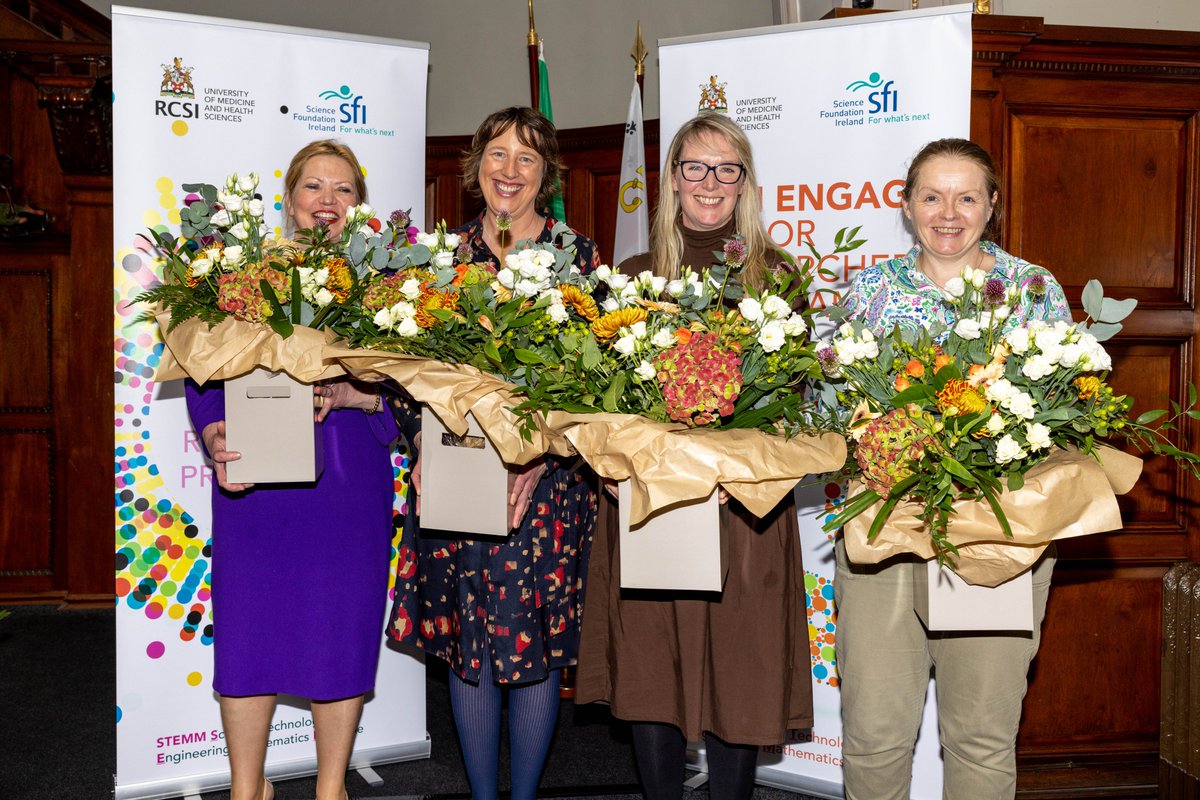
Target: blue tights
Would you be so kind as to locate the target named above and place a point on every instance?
(532, 716)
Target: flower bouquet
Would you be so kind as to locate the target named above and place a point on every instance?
(946, 425)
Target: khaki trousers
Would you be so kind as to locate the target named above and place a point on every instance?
(884, 658)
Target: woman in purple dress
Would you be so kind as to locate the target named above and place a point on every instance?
(300, 571)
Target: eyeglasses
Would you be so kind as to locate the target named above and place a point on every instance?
(696, 171)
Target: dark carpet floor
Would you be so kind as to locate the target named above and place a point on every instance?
(57, 729)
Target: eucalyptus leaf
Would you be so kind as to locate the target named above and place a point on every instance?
(1103, 331)
(1116, 310)
(1093, 298)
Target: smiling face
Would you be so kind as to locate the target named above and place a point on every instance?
(510, 175)
(325, 190)
(707, 204)
(949, 207)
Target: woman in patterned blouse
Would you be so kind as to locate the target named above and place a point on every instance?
(884, 653)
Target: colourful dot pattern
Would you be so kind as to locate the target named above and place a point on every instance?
(822, 613)
(163, 558)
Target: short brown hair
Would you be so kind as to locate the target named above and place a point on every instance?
(533, 130)
(961, 148)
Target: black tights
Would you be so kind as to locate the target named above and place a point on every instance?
(660, 748)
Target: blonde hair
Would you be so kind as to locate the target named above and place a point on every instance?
(321, 147)
(666, 234)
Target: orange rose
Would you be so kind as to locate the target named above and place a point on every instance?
(942, 360)
(902, 382)
(915, 369)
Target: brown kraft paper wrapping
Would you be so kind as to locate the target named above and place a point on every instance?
(1069, 494)
(667, 463)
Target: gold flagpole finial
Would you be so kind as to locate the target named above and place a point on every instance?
(915, 3)
(983, 6)
(533, 37)
(639, 52)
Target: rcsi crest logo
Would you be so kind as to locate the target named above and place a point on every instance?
(712, 96)
(351, 112)
(177, 84)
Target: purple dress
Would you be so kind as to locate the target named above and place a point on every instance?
(299, 571)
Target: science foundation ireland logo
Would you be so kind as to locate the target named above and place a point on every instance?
(874, 100)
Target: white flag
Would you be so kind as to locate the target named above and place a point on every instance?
(633, 220)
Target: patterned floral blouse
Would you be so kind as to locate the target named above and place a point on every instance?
(517, 600)
(896, 292)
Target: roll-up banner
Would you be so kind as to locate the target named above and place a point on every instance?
(195, 99)
(835, 110)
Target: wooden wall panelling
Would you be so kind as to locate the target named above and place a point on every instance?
(32, 549)
(1097, 141)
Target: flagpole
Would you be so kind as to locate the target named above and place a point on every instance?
(638, 54)
(533, 61)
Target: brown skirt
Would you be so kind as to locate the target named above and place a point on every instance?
(736, 664)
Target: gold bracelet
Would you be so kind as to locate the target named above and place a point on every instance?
(377, 404)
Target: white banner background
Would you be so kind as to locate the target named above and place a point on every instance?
(259, 93)
(835, 111)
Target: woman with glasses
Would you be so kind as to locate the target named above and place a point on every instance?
(732, 668)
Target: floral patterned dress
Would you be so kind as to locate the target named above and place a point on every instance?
(896, 292)
(516, 600)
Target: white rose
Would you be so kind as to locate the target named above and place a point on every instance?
(675, 288)
(232, 255)
(638, 329)
(1018, 340)
(256, 208)
(610, 304)
(663, 337)
(411, 289)
(795, 325)
(775, 307)
(771, 337)
(967, 329)
(955, 288)
(750, 309)
(697, 288)
(430, 240)
(995, 424)
(1038, 436)
(978, 278)
(1072, 355)
(657, 284)
(1037, 368)
(618, 281)
(321, 276)
(384, 319)
(221, 219)
(557, 313)
(363, 211)
(506, 278)
(239, 231)
(324, 297)
(443, 259)
(1097, 357)
(526, 288)
(453, 240)
(1048, 338)
(643, 279)
(625, 345)
(201, 267)
(602, 272)
(1020, 405)
(1008, 450)
(248, 183)
(999, 390)
(1000, 312)
(231, 202)
(408, 327)
(645, 371)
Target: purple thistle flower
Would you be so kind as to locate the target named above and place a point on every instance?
(735, 251)
(828, 360)
(994, 293)
(1036, 286)
(463, 254)
(399, 219)
(504, 220)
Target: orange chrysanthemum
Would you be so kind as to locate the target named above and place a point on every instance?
(575, 298)
(1088, 385)
(958, 397)
(607, 326)
(341, 280)
(434, 299)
